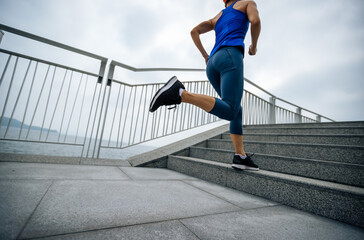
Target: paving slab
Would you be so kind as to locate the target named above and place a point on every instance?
(238, 198)
(162, 231)
(18, 199)
(84, 205)
(154, 173)
(58, 171)
(277, 222)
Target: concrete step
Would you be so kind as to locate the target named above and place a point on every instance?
(304, 130)
(304, 125)
(336, 201)
(335, 153)
(350, 174)
(343, 139)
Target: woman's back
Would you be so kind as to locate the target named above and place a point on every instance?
(230, 28)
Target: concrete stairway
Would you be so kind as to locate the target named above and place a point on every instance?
(317, 168)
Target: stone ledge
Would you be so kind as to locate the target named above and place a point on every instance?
(160, 153)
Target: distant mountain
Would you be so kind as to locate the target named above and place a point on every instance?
(17, 124)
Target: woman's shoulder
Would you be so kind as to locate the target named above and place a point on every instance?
(242, 5)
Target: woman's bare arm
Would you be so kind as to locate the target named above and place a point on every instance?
(253, 15)
(203, 27)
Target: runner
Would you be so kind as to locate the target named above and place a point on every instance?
(225, 71)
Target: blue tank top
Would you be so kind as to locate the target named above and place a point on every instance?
(230, 28)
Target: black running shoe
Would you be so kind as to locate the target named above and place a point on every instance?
(167, 95)
(247, 163)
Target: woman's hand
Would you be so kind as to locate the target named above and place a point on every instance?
(252, 50)
(206, 58)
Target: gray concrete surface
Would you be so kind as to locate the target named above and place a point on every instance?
(108, 202)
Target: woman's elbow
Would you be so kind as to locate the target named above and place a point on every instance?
(194, 32)
(255, 21)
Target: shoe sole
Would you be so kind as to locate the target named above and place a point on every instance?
(244, 167)
(169, 84)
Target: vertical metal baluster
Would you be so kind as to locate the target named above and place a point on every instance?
(26, 106)
(262, 111)
(197, 109)
(6, 67)
(248, 108)
(120, 116)
(168, 120)
(251, 107)
(55, 108)
(185, 115)
(94, 121)
(145, 106)
(154, 121)
(36, 107)
(159, 123)
(88, 122)
(146, 124)
(203, 115)
(65, 106)
(164, 119)
(126, 115)
(73, 107)
(17, 99)
(132, 114)
(9, 89)
(113, 119)
(46, 109)
(136, 122)
(208, 115)
(190, 117)
(83, 98)
(153, 116)
(256, 110)
(266, 112)
(174, 115)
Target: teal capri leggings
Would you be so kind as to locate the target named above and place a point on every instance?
(226, 74)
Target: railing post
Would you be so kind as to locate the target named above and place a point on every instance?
(298, 116)
(1, 35)
(318, 118)
(272, 110)
(108, 84)
(100, 78)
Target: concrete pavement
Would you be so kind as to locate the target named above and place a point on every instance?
(55, 201)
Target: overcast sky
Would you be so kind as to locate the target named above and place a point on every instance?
(310, 52)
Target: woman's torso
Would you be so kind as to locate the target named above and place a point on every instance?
(230, 28)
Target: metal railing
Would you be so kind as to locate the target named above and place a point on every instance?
(45, 102)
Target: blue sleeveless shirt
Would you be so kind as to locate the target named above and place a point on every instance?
(230, 28)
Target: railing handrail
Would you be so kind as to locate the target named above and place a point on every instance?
(46, 62)
(50, 42)
(134, 69)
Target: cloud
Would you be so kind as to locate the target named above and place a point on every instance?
(299, 40)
